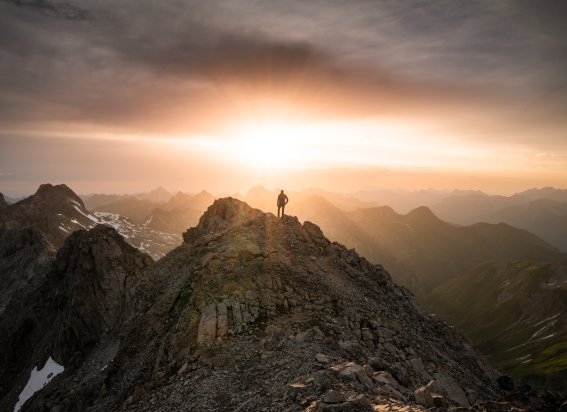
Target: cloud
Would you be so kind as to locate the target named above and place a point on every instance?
(187, 66)
(57, 9)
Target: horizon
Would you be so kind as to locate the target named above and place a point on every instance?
(228, 96)
(244, 192)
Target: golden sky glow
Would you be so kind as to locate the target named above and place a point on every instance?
(223, 96)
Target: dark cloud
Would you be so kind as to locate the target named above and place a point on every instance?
(59, 9)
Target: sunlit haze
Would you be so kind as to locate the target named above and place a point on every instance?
(339, 95)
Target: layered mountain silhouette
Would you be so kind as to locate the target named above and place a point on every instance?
(420, 250)
(250, 313)
(436, 250)
(136, 210)
(173, 216)
(180, 212)
(156, 196)
(515, 313)
(540, 211)
(544, 216)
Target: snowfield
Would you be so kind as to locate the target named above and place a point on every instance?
(38, 379)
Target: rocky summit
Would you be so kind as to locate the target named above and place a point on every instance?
(257, 313)
(55, 211)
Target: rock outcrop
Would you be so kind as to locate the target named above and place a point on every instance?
(256, 313)
(87, 293)
(55, 211)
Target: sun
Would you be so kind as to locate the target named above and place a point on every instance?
(268, 146)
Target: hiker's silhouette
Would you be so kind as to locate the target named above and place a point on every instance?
(282, 201)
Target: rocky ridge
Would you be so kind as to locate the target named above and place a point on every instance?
(56, 212)
(85, 295)
(256, 313)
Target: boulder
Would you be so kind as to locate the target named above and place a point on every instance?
(447, 387)
(332, 396)
(321, 358)
(423, 397)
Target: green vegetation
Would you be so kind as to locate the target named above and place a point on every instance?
(514, 312)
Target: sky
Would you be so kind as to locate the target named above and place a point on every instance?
(122, 97)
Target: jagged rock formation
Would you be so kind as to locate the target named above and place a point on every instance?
(91, 289)
(256, 313)
(55, 211)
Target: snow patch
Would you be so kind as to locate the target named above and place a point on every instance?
(546, 319)
(38, 379)
(78, 223)
(88, 216)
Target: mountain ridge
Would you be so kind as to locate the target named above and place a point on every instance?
(268, 306)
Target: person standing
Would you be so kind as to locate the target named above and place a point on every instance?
(282, 201)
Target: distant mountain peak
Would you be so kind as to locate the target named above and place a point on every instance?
(159, 194)
(257, 190)
(54, 210)
(422, 213)
(159, 190)
(57, 192)
(204, 193)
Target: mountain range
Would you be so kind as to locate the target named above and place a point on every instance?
(421, 251)
(540, 211)
(250, 312)
(158, 195)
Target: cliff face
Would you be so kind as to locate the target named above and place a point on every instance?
(25, 259)
(255, 313)
(67, 303)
